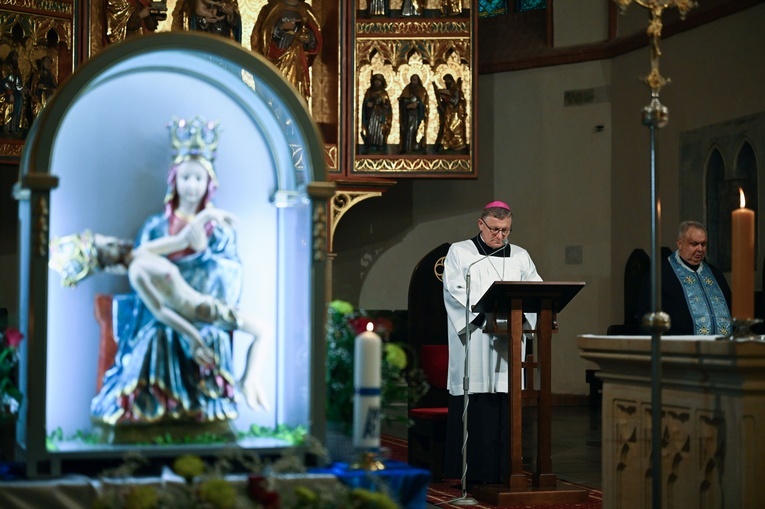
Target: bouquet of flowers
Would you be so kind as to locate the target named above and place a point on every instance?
(10, 395)
(201, 485)
(402, 380)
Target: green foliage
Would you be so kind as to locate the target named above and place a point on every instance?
(292, 435)
(340, 343)
(402, 380)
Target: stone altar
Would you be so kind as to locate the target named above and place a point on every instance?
(713, 405)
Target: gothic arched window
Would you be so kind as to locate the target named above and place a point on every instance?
(717, 210)
(745, 177)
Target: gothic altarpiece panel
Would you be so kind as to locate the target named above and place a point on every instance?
(37, 44)
(431, 135)
(413, 111)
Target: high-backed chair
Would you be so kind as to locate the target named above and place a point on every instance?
(427, 333)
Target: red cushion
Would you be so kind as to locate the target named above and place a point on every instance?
(435, 413)
(434, 360)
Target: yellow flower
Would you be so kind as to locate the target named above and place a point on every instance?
(342, 307)
(189, 467)
(306, 496)
(141, 497)
(371, 500)
(395, 355)
(219, 493)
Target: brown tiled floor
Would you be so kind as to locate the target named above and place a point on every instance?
(576, 444)
(576, 441)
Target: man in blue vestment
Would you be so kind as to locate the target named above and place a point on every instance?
(694, 293)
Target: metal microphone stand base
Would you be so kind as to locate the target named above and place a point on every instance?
(464, 501)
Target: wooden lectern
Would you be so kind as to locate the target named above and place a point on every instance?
(504, 304)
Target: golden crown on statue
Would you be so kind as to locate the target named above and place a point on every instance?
(194, 138)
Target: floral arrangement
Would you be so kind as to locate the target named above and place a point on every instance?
(203, 486)
(402, 380)
(10, 395)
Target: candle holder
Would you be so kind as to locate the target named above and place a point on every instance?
(368, 461)
(742, 330)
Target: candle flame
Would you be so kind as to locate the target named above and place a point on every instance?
(741, 198)
(370, 326)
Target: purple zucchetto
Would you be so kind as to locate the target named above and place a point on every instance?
(497, 204)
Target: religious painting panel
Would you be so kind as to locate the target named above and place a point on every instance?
(414, 69)
(187, 229)
(36, 54)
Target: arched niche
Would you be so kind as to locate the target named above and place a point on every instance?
(716, 194)
(97, 158)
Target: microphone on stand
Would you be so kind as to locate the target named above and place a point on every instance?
(464, 499)
(505, 243)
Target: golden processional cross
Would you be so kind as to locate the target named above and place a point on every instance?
(655, 115)
(654, 79)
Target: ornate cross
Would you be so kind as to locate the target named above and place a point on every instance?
(654, 79)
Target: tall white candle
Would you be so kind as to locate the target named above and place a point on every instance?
(366, 382)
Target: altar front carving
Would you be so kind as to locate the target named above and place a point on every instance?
(713, 405)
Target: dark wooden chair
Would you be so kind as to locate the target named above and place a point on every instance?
(427, 432)
(636, 273)
(427, 335)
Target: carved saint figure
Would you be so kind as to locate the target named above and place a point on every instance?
(413, 111)
(219, 17)
(378, 7)
(451, 7)
(452, 113)
(12, 95)
(412, 7)
(126, 18)
(376, 115)
(287, 33)
(42, 85)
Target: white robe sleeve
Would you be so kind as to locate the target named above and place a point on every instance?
(455, 287)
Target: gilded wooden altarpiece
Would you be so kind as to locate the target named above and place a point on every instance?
(37, 51)
(430, 38)
(434, 42)
(395, 39)
(324, 70)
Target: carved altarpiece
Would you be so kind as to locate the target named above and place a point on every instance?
(431, 45)
(34, 29)
(429, 41)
